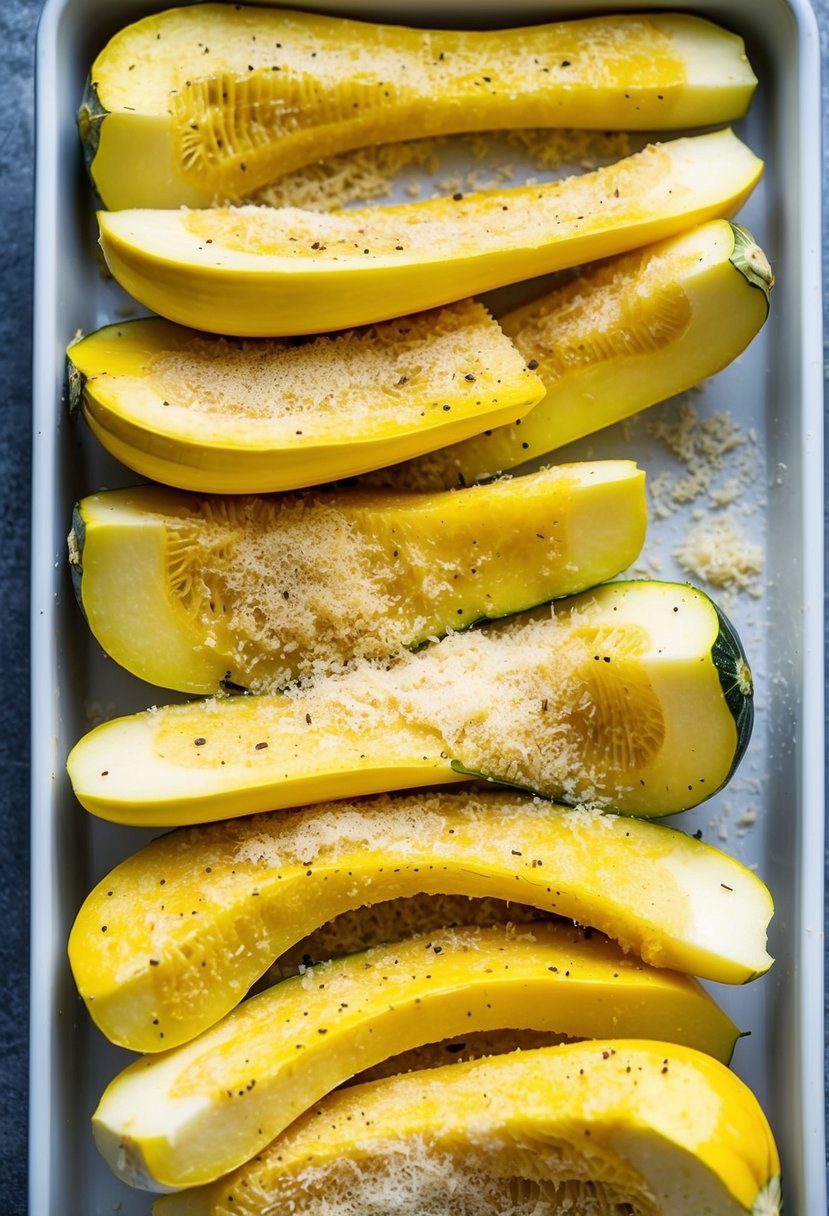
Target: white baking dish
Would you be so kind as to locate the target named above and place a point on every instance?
(774, 393)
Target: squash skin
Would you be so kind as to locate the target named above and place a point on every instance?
(173, 1119)
(649, 887)
(687, 1117)
(369, 731)
(652, 321)
(548, 535)
(151, 141)
(467, 376)
(420, 255)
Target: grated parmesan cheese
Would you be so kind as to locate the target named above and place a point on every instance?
(347, 385)
(719, 552)
(702, 445)
(370, 173)
(721, 463)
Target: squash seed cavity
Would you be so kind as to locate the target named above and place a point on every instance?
(264, 579)
(232, 132)
(410, 1178)
(577, 328)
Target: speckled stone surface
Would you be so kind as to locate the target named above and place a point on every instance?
(17, 34)
(18, 19)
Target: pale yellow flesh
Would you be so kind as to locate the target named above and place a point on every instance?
(626, 334)
(658, 1125)
(338, 575)
(202, 413)
(261, 271)
(187, 1116)
(614, 698)
(260, 885)
(276, 91)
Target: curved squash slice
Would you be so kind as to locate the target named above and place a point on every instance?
(605, 1128)
(204, 413)
(636, 695)
(159, 975)
(219, 100)
(187, 1116)
(188, 592)
(259, 271)
(623, 335)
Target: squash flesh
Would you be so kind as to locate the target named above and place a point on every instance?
(187, 593)
(674, 901)
(624, 335)
(687, 1138)
(287, 271)
(274, 91)
(588, 704)
(203, 413)
(189, 1115)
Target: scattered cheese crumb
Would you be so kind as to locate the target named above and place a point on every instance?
(719, 552)
(370, 173)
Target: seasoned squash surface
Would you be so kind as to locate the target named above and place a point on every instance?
(605, 1127)
(191, 593)
(215, 101)
(622, 335)
(635, 695)
(206, 413)
(186, 1116)
(160, 975)
(258, 271)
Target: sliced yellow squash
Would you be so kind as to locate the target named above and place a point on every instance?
(186, 1116)
(153, 974)
(635, 695)
(215, 101)
(259, 271)
(204, 413)
(604, 1128)
(190, 592)
(624, 334)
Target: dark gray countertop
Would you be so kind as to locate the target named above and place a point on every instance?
(18, 20)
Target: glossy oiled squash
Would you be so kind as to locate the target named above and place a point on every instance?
(635, 695)
(259, 271)
(604, 1127)
(184, 1117)
(624, 334)
(215, 101)
(204, 413)
(191, 592)
(158, 975)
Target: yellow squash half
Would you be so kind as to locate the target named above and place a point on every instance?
(206, 413)
(192, 593)
(624, 334)
(216, 101)
(184, 1117)
(636, 695)
(258, 271)
(605, 1127)
(153, 974)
